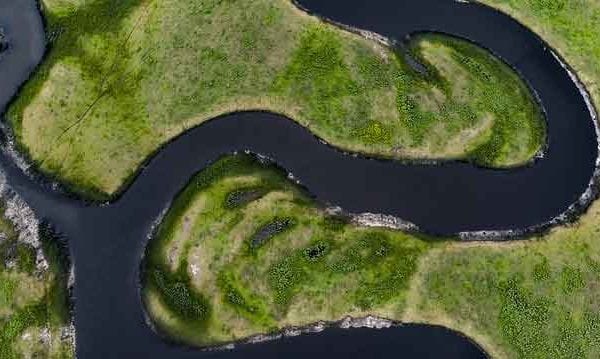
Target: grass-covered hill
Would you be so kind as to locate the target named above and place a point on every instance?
(123, 77)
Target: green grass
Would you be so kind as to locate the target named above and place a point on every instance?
(123, 77)
(308, 265)
(32, 300)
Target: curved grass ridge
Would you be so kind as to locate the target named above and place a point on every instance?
(121, 78)
(525, 299)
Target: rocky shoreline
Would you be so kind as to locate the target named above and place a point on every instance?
(27, 227)
(380, 220)
(348, 322)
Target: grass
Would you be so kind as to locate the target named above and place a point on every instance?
(531, 299)
(32, 301)
(274, 259)
(121, 78)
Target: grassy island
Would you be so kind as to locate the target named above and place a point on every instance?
(34, 302)
(123, 77)
(244, 251)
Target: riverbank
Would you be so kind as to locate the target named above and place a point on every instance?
(353, 92)
(121, 322)
(3, 41)
(525, 299)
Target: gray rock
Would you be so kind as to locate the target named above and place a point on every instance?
(3, 41)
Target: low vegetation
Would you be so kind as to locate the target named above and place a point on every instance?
(34, 305)
(123, 77)
(244, 251)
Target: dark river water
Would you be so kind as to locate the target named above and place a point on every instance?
(107, 242)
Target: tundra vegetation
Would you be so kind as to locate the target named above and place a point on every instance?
(34, 302)
(245, 251)
(123, 77)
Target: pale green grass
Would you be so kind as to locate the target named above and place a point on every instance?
(535, 299)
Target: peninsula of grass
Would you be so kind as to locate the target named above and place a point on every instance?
(244, 251)
(123, 77)
(34, 300)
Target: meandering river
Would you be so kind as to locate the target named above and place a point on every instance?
(107, 242)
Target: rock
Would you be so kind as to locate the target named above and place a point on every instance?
(383, 221)
(3, 41)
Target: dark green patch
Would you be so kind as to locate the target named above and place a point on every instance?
(270, 230)
(571, 279)
(178, 296)
(285, 277)
(335, 223)
(369, 249)
(317, 251)
(241, 197)
(541, 270)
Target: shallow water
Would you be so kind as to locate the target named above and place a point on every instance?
(107, 242)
